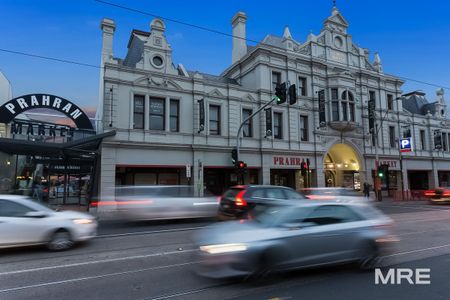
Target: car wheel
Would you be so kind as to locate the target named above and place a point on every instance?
(266, 266)
(370, 257)
(60, 240)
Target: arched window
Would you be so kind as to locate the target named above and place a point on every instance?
(347, 104)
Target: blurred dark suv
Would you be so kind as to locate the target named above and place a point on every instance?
(245, 201)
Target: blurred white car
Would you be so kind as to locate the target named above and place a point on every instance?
(24, 222)
(155, 203)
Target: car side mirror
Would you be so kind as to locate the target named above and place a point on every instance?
(36, 214)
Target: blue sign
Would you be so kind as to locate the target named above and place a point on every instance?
(405, 145)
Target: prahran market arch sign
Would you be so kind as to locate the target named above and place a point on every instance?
(16, 106)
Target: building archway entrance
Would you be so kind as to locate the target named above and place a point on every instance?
(342, 167)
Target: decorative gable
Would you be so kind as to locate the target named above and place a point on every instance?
(216, 93)
(336, 22)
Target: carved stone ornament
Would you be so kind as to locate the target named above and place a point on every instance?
(156, 81)
(321, 40)
(355, 50)
(304, 50)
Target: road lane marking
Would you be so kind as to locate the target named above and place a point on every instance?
(426, 231)
(94, 277)
(97, 262)
(418, 250)
(148, 232)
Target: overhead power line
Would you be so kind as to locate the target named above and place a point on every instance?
(226, 34)
(68, 61)
(174, 20)
(51, 58)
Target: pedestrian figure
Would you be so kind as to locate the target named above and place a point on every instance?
(366, 190)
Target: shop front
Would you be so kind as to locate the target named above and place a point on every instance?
(296, 172)
(54, 162)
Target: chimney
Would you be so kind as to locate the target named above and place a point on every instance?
(239, 42)
(108, 27)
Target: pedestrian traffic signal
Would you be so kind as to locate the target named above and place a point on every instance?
(234, 156)
(292, 94)
(280, 93)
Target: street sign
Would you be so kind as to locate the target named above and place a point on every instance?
(405, 145)
(188, 171)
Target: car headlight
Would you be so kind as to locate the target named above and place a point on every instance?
(83, 221)
(223, 248)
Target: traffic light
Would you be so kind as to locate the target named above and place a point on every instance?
(304, 167)
(281, 93)
(292, 94)
(383, 171)
(268, 122)
(241, 165)
(234, 156)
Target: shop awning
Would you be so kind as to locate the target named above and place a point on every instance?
(84, 146)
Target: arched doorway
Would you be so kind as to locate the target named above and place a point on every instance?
(342, 167)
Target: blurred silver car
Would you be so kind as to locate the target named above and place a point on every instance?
(333, 193)
(307, 234)
(157, 203)
(24, 222)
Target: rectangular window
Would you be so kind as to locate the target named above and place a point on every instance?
(334, 94)
(138, 112)
(390, 102)
(174, 115)
(392, 137)
(335, 110)
(344, 110)
(422, 139)
(214, 119)
(302, 86)
(157, 113)
(276, 80)
(352, 111)
(444, 141)
(248, 126)
(372, 95)
(406, 131)
(277, 125)
(304, 128)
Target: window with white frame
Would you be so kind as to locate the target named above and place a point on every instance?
(422, 140)
(276, 80)
(157, 113)
(138, 111)
(392, 142)
(174, 115)
(248, 126)
(302, 86)
(304, 128)
(278, 125)
(214, 119)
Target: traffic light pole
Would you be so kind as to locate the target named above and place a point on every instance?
(238, 144)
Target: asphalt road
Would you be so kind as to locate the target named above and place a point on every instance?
(156, 260)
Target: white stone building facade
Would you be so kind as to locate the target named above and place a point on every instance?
(153, 104)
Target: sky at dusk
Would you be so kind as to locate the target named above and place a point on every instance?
(412, 37)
